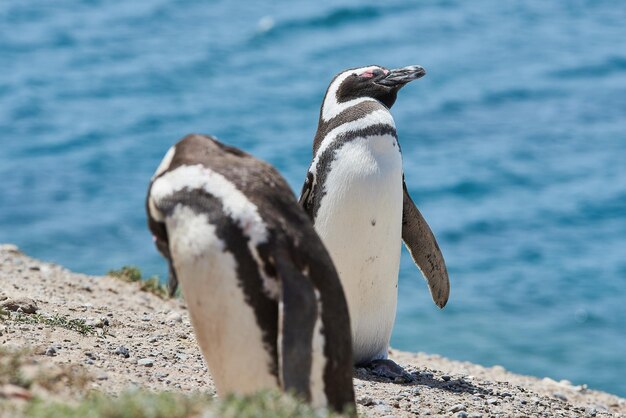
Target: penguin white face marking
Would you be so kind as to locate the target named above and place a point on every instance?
(165, 162)
(236, 205)
(360, 85)
(331, 106)
(370, 73)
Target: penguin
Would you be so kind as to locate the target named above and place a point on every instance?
(357, 198)
(264, 298)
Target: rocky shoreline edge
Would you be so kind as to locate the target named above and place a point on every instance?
(115, 336)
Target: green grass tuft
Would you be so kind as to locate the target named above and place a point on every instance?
(10, 368)
(48, 385)
(143, 404)
(132, 404)
(132, 274)
(56, 320)
(127, 273)
(153, 285)
(268, 404)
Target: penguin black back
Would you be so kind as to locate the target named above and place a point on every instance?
(264, 297)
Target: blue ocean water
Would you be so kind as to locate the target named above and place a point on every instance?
(514, 146)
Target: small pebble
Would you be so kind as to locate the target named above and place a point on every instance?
(458, 407)
(446, 378)
(23, 305)
(122, 351)
(51, 352)
(382, 409)
(94, 322)
(175, 317)
(560, 396)
(148, 362)
(462, 414)
(601, 407)
(492, 401)
(475, 415)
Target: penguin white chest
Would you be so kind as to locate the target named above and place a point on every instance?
(360, 222)
(225, 324)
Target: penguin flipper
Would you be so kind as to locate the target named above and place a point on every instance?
(297, 316)
(421, 243)
(161, 240)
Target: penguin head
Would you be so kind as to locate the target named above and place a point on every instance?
(373, 82)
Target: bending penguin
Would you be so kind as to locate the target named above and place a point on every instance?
(263, 295)
(357, 198)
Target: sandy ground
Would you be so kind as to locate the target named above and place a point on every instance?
(145, 341)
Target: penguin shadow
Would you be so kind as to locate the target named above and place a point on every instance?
(426, 378)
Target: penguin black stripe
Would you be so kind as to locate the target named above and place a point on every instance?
(350, 114)
(312, 197)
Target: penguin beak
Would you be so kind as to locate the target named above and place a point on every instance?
(400, 76)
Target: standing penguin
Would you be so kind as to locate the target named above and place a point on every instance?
(263, 295)
(356, 196)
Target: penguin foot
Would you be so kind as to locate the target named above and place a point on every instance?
(390, 370)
